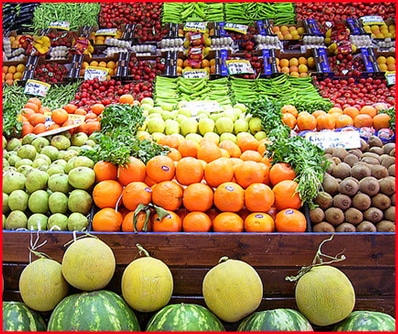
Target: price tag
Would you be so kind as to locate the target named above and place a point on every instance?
(239, 66)
(196, 26)
(390, 77)
(372, 19)
(240, 28)
(36, 87)
(61, 25)
(106, 32)
(344, 139)
(92, 72)
(195, 74)
(196, 106)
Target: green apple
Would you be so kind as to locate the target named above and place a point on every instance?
(155, 110)
(157, 135)
(16, 219)
(38, 201)
(166, 106)
(185, 111)
(143, 135)
(57, 222)
(227, 135)
(79, 138)
(147, 101)
(40, 163)
(255, 124)
(18, 200)
(25, 169)
(154, 115)
(58, 202)
(194, 136)
(189, 125)
(241, 125)
(37, 222)
(172, 126)
(78, 161)
(80, 200)
(206, 125)
(77, 222)
(145, 109)
(216, 115)
(169, 114)
(156, 125)
(61, 142)
(81, 177)
(27, 151)
(14, 143)
(51, 151)
(231, 114)
(5, 207)
(40, 142)
(67, 154)
(27, 139)
(44, 157)
(36, 180)
(224, 124)
(59, 182)
(212, 136)
(13, 180)
(260, 135)
(55, 169)
(23, 162)
(4, 142)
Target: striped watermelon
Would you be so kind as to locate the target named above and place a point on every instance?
(96, 311)
(366, 321)
(184, 318)
(19, 317)
(281, 319)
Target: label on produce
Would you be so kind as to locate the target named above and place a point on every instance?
(199, 73)
(372, 19)
(239, 66)
(106, 32)
(36, 87)
(196, 106)
(61, 25)
(332, 139)
(93, 72)
(390, 77)
(240, 28)
(195, 26)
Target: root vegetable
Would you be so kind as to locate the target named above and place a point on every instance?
(324, 200)
(385, 226)
(366, 226)
(361, 201)
(389, 214)
(341, 171)
(342, 201)
(323, 227)
(381, 201)
(345, 227)
(353, 216)
(373, 214)
(387, 185)
(379, 171)
(360, 170)
(334, 216)
(349, 186)
(330, 184)
(369, 185)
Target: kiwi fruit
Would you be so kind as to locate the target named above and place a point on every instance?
(371, 155)
(334, 216)
(381, 201)
(360, 170)
(387, 185)
(323, 227)
(342, 201)
(330, 184)
(387, 160)
(388, 147)
(361, 201)
(379, 171)
(329, 151)
(340, 152)
(373, 214)
(341, 171)
(375, 141)
(336, 160)
(366, 226)
(391, 170)
(356, 151)
(364, 145)
(377, 150)
(331, 165)
(370, 160)
(349, 186)
(385, 226)
(316, 215)
(353, 216)
(392, 152)
(393, 198)
(345, 227)
(389, 213)
(351, 159)
(324, 200)
(369, 185)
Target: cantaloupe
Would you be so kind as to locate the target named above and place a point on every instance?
(88, 264)
(42, 285)
(232, 289)
(325, 295)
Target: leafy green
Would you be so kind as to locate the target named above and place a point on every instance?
(390, 112)
(12, 127)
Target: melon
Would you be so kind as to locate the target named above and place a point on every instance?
(184, 318)
(366, 321)
(42, 285)
(324, 295)
(281, 319)
(147, 284)
(18, 317)
(232, 289)
(88, 264)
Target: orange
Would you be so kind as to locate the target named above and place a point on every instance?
(368, 110)
(326, 121)
(290, 220)
(189, 170)
(78, 111)
(228, 222)
(196, 222)
(37, 118)
(259, 222)
(306, 121)
(90, 115)
(53, 127)
(289, 120)
(281, 171)
(259, 197)
(343, 120)
(169, 223)
(167, 194)
(133, 170)
(26, 128)
(188, 148)
(91, 127)
(105, 170)
(198, 197)
(246, 141)
(363, 120)
(381, 121)
(97, 108)
(59, 115)
(39, 128)
(266, 169)
(35, 101)
(32, 105)
(128, 222)
(335, 110)
(70, 108)
(107, 194)
(126, 99)
(170, 141)
(160, 168)
(107, 220)
(174, 154)
(249, 172)
(286, 195)
(317, 113)
(229, 196)
(136, 193)
(230, 146)
(208, 151)
(251, 155)
(218, 171)
(351, 111)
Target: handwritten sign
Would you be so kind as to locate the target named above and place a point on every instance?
(195, 74)
(372, 19)
(196, 106)
(239, 66)
(61, 25)
(195, 26)
(106, 32)
(93, 72)
(36, 87)
(390, 77)
(332, 139)
(240, 28)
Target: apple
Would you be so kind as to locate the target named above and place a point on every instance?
(51, 151)
(35, 180)
(67, 154)
(40, 142)
(44, 157)
(260, 135)
(81, 177)
(61, 142)
(241, 106)
(27, 151)
(90, 142)
(16, 219)
(37, 222)
(13, 144)
(206, 125)
(58, 202)
(77, 222)
(59, 182)
(155, 110)
(194, 136)
(185, 111)
(169, 114)
(13, 180)
(5, 163)
(57, 222)
(27, 139)
(18, 200)
(4, 142)
(147, 101)
(143, 135)
(79, 139)
(157, 135)
(5, 207)
(224, 124)
(25, 169)
(154, 115)
(167, 106)
(189, 125)
(38, 201)
(156, 125)
(80, 201)
(13, 159)
(40, 163)
(227, 136)
(22, 162)
(241, 125)
(55, 169)
(172, 126)
(212, 136)
(59, 162)
(255, 124)
(78, 161)
(231, 114)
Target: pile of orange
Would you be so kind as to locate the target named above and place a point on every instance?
(204, 190)
(208, 65)
(296, 67)
(110, 65)
(12, 73)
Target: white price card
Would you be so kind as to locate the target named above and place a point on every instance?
(61, 25)
(332, 139)
(372, 19)
(240, 28)
(390, 77)
(195, 74)
(36, 87)
(239, 66)
(106, 32)
(93, 72)
(196, 106)
(195, 26)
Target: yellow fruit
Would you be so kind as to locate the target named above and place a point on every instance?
(381, 60)
(284, 62)
(302, 68)
(88, 264)
(147, 284)
(42, 285)
(232, 289)
(383, 67)
(293, 61)
(390, 60)
(324, 295)
(311, 62)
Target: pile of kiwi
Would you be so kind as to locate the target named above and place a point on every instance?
(358, 190)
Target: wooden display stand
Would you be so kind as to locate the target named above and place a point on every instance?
(369, 263)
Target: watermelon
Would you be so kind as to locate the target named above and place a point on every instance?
(17, 316)
(281, 319)
(184, 318)
(361, 321)
(100, 310)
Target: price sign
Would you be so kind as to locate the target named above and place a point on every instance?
(240, 28)
(92, 72)
(195, 74)
(390, 77)
(372, 19)
(196, 106)
(61, 25)
(106, 32)
(195, 26)
(36, 87)
(239, 66)
(345, 139)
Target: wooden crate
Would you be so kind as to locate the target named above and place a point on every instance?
(369, 264)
